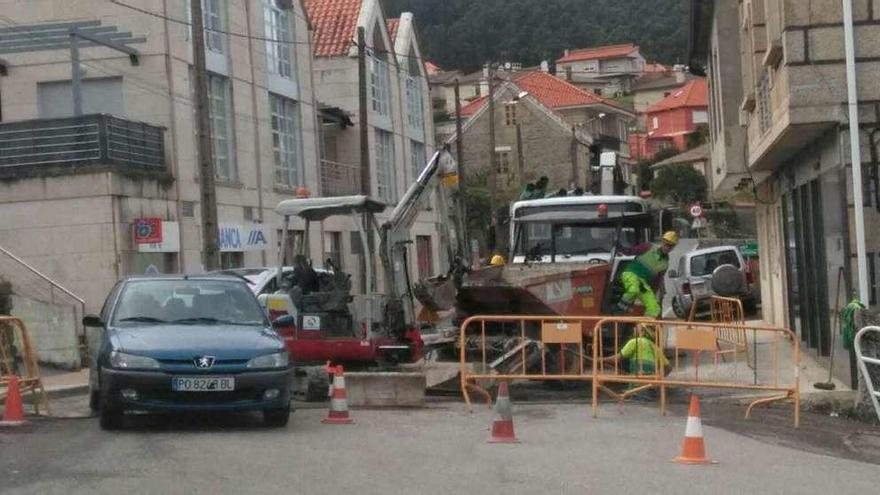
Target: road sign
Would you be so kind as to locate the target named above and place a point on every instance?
(700, 223)
(696, 211)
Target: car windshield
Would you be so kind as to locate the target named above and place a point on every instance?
(151, 302)
(705, 264)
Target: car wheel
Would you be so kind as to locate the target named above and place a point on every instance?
(678, 309)
(94, 400)
(276, 418)
(111, 419)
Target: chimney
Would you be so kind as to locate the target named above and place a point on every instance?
(680, 74)
(567, 52)
(545, 66)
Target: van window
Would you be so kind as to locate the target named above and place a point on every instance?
(705, 264)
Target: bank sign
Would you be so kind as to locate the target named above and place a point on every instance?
(254, 237)
(233, 237)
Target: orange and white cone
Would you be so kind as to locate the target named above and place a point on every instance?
(13, 412)
(502, 427)
(693, 451)
(338, 414)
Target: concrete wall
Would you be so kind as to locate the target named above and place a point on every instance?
(52, 330)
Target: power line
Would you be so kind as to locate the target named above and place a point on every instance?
(219, 31)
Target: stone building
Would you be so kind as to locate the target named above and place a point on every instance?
(780, 125)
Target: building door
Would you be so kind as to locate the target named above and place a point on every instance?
(424, 256)
(807, 279)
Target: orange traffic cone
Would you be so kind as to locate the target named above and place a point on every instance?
(502, 427)
(338, 414)
(13, 414)
(693, 451)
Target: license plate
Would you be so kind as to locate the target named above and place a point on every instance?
(203, 384)
(311, 322)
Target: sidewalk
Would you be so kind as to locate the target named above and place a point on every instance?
(60, 383)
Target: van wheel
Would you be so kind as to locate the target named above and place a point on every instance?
(678, 309)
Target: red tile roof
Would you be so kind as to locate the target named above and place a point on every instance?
(393, 24)
(649, 68)
(600, 52)
(550, 90)
(335, 25)
(695, 93)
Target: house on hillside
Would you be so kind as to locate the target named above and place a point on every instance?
(653, 87)
(605, 70)
(69, 200)
(670, 121)
(401, 130)
(544, 126)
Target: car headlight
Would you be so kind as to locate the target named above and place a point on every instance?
(130, 361)
(277, 360)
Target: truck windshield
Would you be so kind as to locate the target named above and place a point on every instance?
(571, 240)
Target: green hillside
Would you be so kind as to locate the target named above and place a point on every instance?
(464, 34)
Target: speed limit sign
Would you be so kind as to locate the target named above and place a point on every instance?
(696, 211)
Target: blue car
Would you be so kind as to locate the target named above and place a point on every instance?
(186, 343)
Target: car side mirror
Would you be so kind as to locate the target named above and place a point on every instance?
(284, 321)
(672, 274)
(92, 321)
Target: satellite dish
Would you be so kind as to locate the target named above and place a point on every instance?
(508, 66)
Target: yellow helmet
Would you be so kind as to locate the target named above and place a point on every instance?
(671, 237)
(497, 260)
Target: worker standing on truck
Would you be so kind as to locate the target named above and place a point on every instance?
(643, 276)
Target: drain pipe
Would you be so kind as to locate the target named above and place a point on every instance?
(855, 150)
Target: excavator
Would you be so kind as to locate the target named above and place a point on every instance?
(377, 329)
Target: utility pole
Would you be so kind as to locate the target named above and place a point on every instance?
(459, 156)
(210, 229)
(366, 187)
(493, 163)
(520, 159)
(574, 158)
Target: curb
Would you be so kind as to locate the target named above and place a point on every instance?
(65, 391)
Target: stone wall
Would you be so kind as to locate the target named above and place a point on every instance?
(52, 331)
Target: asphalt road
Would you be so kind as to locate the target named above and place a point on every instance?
(441, 449)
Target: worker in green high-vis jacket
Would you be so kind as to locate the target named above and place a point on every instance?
(643, 277)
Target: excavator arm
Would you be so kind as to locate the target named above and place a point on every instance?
(440, 175)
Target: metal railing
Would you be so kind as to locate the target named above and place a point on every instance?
(765, 110)
(87, 140)
(339, 179)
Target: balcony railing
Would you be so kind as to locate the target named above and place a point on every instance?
(76, 141)
(340, 179)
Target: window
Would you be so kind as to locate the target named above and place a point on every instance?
(386, 179)
(598, 91)
(380, 85)
(333, 249)
(419, 159)
(502, 164)
(701, 117)
(568, 73)
(415, 111)
(222, 133)
(663, 145)
(510, 114)
(99, 95)
(285, 140)
(214, 13)
(295, 239)
(666, 94)
(425, 256)
(278, 27)
(231, 259)
(477, 89)
(656, 122)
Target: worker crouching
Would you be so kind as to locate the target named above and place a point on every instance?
(643, 277)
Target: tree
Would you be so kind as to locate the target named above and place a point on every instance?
(680, 183)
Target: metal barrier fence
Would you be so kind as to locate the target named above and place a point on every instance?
(728, 311)
(628, 353)
(15, 342)
(863, 362)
